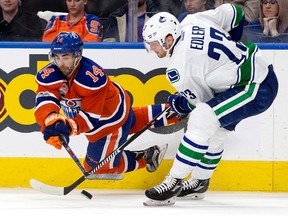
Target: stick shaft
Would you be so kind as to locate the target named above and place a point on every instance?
(72, 154)
(68, 189)
(131, 139)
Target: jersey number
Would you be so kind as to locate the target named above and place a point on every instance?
(214, 46)
(96, 72)
(188, 94)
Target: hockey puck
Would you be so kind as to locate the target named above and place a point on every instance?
(86, 194)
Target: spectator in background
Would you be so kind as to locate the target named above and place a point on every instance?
(88, 26)
(250, 8)
(17, 24)
(117, 30)
(174, 7)
(194, 6)
(220, 2)
(272, 25)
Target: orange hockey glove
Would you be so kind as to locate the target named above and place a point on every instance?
(56, 124)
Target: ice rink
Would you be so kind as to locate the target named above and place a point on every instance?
(19, 201)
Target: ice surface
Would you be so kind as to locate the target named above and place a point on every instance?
(130, 203)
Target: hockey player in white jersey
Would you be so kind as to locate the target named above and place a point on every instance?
(219, 82)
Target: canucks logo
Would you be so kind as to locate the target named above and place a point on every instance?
(173, 75)
(162, 19)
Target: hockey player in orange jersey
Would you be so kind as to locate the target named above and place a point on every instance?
(87, 26)
(92, 105)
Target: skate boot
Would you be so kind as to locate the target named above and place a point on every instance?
(153, 156)
(165, 193)
(194, 189)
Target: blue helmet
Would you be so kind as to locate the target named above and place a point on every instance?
(67, 42)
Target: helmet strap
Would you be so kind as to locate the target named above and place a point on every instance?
(76, 63)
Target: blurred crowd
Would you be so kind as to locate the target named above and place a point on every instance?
(123, 20)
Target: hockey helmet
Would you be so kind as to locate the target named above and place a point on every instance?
(158, 27)
(67, 42)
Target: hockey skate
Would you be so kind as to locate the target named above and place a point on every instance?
(193, 189)
(153, 156)
(165, 193)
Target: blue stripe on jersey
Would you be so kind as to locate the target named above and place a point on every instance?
(234, 18)
(156, 109)
(47, 98)
(118, 116)
(62, 18)
(237, 17)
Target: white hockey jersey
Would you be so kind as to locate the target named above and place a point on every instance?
(206, 60)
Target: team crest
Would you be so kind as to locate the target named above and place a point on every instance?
(71, 107)
(173, 75)
(162, 19)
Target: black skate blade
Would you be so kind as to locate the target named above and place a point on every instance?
(167, 202)
(194, 196)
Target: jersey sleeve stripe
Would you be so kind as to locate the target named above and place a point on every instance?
(238, 16)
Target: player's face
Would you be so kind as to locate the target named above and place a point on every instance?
(76, 7)
(158, 49)
(65, 62)
(270, 8)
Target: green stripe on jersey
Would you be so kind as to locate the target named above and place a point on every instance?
(233, 103)
(238, 15)
(247, 70)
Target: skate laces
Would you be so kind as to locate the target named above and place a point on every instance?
(168, 183)
(190, 183)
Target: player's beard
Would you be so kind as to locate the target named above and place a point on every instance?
(67, 70)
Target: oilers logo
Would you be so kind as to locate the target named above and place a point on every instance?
(71, 107)
(173, 75)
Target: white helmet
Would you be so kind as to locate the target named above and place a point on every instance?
(158, 27)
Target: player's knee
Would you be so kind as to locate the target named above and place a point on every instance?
(203, 121)
(216, 142)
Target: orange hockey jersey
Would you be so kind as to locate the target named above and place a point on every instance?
(97, 105)
(89, 28)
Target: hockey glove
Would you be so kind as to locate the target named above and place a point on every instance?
(180, 104)
(56, 124)
(170, 114)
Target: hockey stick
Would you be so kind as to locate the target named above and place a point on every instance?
(78, 163)
(54, 190)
